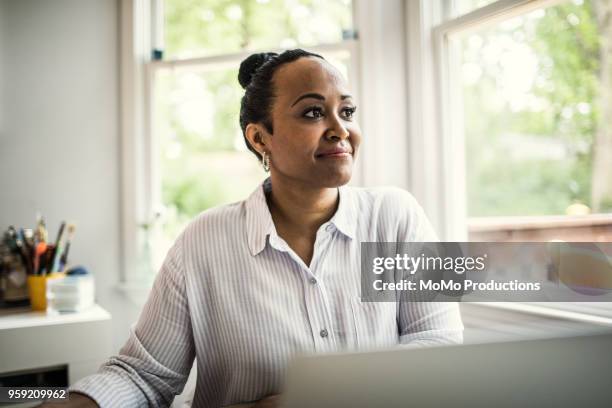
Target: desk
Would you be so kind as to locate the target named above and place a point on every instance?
(31, 341)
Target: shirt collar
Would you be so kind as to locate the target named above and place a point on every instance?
(259, 224)
(345, 219)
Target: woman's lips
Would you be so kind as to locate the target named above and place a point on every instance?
(334, 154)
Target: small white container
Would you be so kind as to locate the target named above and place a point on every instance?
(72, 293)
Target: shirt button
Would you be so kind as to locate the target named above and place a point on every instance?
(313, 281)
(323, 333)
(329, 228)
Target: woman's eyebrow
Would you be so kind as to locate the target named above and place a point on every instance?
(317, 96)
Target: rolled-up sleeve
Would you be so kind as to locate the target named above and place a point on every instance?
(154, 364)
(430, 323)
(425, 323)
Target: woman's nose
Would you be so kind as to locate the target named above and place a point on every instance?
(337, 133)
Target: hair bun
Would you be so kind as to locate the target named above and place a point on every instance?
(249, 66)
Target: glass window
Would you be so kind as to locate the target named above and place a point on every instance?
(200, 145)
(535, 102)
(201, 158)
(210, 27)
(532, 88)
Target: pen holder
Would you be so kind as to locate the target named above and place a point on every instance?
(37, 289)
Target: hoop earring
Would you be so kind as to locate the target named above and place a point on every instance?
(265, 161)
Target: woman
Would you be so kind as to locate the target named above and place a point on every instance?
(248, 285)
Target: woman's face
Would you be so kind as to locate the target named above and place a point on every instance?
(315, 136)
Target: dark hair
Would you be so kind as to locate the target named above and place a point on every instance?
(255, 76)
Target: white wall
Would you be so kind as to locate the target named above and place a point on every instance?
(59, 146)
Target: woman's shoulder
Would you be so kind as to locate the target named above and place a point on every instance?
(216, 220)
(395, 211)
(387, 198)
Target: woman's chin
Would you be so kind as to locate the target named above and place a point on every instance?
(335, 179)
(319, 177)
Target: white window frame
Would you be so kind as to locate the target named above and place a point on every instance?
(135, 49)
(445, 154)
(383, 154)
(437, 152)
(450, 101)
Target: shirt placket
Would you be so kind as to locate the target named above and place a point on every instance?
(315, 294)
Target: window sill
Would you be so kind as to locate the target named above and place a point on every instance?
(538, 310)
(486, 224)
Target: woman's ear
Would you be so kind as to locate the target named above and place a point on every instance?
(256, 135)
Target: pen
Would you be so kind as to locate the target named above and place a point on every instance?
(54, 258)
(64, 258)
(47, 260)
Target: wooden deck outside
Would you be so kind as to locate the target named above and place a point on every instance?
(584, 228)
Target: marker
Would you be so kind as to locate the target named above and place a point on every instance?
(41, 247)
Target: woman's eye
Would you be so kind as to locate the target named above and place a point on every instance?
(314, 113)
(349, 112)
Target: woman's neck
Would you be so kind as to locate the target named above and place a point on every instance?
(301, 208)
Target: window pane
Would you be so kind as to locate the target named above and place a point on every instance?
(208, 27)
(535, 109)
(203, 160)
(202, 157)
(532, 88)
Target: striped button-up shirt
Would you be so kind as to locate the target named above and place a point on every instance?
(232, 294)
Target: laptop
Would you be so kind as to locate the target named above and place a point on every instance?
(562, 372)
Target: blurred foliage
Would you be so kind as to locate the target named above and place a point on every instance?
(203, 158)
(203, 27)
(529, 152)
